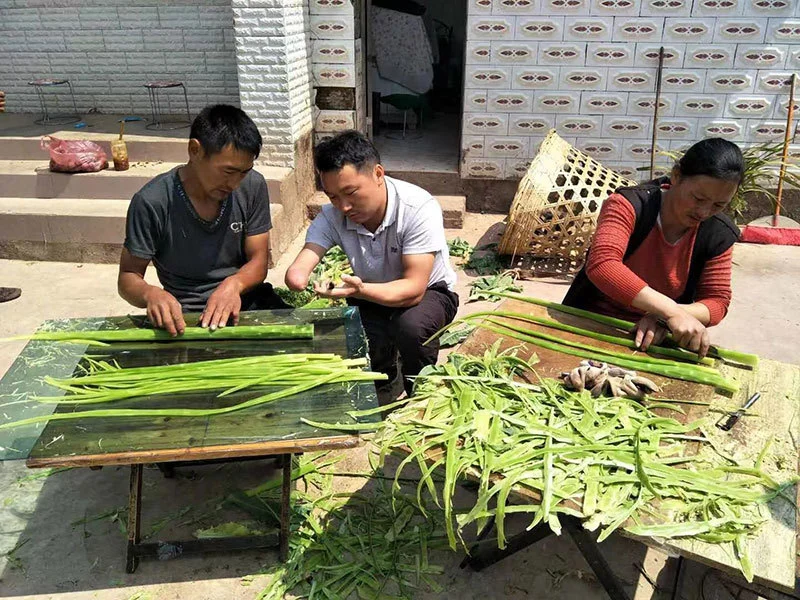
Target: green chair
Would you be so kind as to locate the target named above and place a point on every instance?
(406, 102)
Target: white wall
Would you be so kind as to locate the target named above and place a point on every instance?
(109, 48)
(587, 68)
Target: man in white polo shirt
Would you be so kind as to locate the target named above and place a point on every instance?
(393, 234)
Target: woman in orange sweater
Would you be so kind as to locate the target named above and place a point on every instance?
(661, 255)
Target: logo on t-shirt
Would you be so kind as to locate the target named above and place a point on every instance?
(237, 226)
(393, 250)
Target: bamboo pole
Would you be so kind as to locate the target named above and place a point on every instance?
(786, 138)
(655, 112)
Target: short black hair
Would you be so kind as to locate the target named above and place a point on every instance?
(713, 157)
(347, 148)
(219, 125)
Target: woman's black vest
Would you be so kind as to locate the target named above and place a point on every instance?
(714, 236)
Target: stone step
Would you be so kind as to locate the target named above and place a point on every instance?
(80, 230)
(33, 179)
(453, 208)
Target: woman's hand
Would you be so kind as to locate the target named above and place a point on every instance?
(689, 333)
(649, 331)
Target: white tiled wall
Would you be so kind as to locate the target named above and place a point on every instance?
(588, 69)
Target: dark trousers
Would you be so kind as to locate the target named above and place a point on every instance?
(393, 331)
(262, 297)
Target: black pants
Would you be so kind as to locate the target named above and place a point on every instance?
(393, 331)
(262, 297)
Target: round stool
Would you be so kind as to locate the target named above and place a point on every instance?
(47, 118)
(154, 89)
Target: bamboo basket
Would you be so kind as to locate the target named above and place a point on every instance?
(554, 213)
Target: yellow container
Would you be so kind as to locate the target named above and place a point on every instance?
(119, 152)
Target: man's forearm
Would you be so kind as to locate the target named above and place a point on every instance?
(133, 289)
(251, 274)
(400, 293)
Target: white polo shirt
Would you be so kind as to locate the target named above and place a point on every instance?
(413, 224)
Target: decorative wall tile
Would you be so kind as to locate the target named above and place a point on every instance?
(331, 27)
(603, 103)
(539, 28)
(488, 76)
(770, 8)
(794, 59)
(476, 101)
(782, 107)
(794, 153)
(516, 7)
(490, 28)
(728, 129)
(531, 124)
(765, 131)
(638, 30)
(617, 8)
(647, 55)
(556, 102)
(667, 8)
(322, 137)
(777, 82)
(682, 81)
(479, 7)
(534, 78)
(600, 149)
(565, 7)
(514, 53)
(680, 145)
(479, 53)
(730, 82)
(676, 128)
(516, 169)
(696, 105)
(783, 31)
(717, 8)
(760, 57)
(740, 30)
(473, 146)
(580, 126)
(342, 8)
(696, 30)
(639, 149)
(643, 104)
(719, 56)
(610, 55)
(332, 51)
(626, 127)
(582, 79)
(510, 147)
(333, 75)
(633, 80)
(511, 101)
(596, 29)
(628, 170)
(334, 120)
(484, 168)
(748, 106)
(562, 54)
(485, 124)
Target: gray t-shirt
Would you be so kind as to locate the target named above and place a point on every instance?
(193, 256)
(413, 224)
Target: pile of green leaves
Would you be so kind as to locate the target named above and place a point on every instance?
(459, 248)
(612, 462)
(331, 267)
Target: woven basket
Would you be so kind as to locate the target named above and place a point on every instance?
(555, 210)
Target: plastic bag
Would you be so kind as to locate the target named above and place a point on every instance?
(74, 156)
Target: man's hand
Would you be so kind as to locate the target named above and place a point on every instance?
(649, 332)
(224, 303)
(351, 285)
(689, 333)
(164, 311)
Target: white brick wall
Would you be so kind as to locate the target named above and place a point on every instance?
(589, 71)
(109, 48)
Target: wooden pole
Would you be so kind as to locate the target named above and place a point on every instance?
(786, 139)
(655, 113)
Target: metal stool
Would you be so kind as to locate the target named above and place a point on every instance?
(405, 103)
(47, 119)
(154, 91)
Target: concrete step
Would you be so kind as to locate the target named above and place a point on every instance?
(140, 147)
(435, 182)
(453, 208)
(79, 230)
(33, 179)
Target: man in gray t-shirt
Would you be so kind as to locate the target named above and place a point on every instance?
(393, 234)
(205, 226)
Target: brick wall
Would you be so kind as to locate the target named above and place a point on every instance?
(109, 48)
(587, 68)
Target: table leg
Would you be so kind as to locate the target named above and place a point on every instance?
(134, 517)
(286, 490)
(676, 588)
(597, 562)
(479, 560)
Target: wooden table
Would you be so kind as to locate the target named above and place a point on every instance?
(273, 429)
(773, 551)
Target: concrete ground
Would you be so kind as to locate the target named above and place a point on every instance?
(60, 536)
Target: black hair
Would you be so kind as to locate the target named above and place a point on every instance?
(220, 125)
(713, 157)
(347, 148)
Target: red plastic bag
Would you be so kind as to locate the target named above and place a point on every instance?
(74, 156)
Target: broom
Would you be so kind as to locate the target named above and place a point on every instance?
(777, 229)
